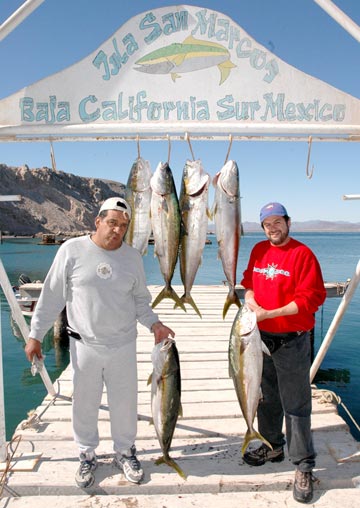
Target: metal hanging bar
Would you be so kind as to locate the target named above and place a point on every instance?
(18, 17)
(176, 137)
(351, 196)
(340, 17)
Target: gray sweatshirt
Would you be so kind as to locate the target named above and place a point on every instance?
(104, 291)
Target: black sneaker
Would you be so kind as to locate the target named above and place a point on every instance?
(84, 476)
(130, 466)
(263, 454)
(303, 486)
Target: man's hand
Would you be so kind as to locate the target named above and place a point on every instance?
(161, 332)
(33, 348)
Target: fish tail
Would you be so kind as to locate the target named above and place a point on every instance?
(250, 436)
(232, 298)
(189, 299)
(171, 463)
(168, 292)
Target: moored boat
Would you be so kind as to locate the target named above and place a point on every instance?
(27, 294)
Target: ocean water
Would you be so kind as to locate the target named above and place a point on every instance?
(338, 254)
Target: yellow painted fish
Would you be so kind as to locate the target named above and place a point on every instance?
(189, 56)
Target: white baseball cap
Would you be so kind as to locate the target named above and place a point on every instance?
(116, 203)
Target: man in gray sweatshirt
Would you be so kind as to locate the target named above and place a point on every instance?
(101, 281)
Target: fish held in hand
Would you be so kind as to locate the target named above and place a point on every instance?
(194, 215)
(166, 397)
(245, 368)
(227, 219)
(166, 226)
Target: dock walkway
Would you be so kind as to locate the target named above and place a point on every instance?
(206, 444)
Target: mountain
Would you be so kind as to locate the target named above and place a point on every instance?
(311, 226)
(51, 201)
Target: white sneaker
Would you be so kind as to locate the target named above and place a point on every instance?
(84, 476)
(130, 466)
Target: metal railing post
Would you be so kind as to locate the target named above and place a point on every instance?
(346, 299)
(2, 404)
(20, 321)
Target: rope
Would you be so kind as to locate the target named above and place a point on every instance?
(331, 397)
(15, 439)
(34, 418)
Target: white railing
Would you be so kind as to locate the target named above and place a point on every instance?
(339, 314)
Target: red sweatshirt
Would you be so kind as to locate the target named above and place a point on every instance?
(279, 275)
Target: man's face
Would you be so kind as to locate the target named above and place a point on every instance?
(277, 229)
(111, 229)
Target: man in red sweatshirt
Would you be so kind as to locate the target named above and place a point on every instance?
(284, 286)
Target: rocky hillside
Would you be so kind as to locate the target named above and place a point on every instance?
(52, 201)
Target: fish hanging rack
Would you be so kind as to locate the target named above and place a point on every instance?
(176, 137)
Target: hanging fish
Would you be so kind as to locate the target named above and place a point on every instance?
(138, 195)
(166, 397)
(227, 218)
(166, 224)
(194, 215)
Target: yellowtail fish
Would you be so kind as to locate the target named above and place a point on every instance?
(138, 195)
(227, 219)
(166, 224)
(245, 368)
(166, 397)
(194, 215)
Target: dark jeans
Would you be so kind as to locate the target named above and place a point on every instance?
(286, 391)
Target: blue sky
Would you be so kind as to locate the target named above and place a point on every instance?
(60, 33)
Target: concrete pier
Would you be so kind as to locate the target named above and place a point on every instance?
(206, 444)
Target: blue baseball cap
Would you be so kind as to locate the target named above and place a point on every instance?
(272, 209)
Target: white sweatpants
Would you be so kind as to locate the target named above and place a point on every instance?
(117, 369)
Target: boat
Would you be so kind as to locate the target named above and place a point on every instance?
(27, 294)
